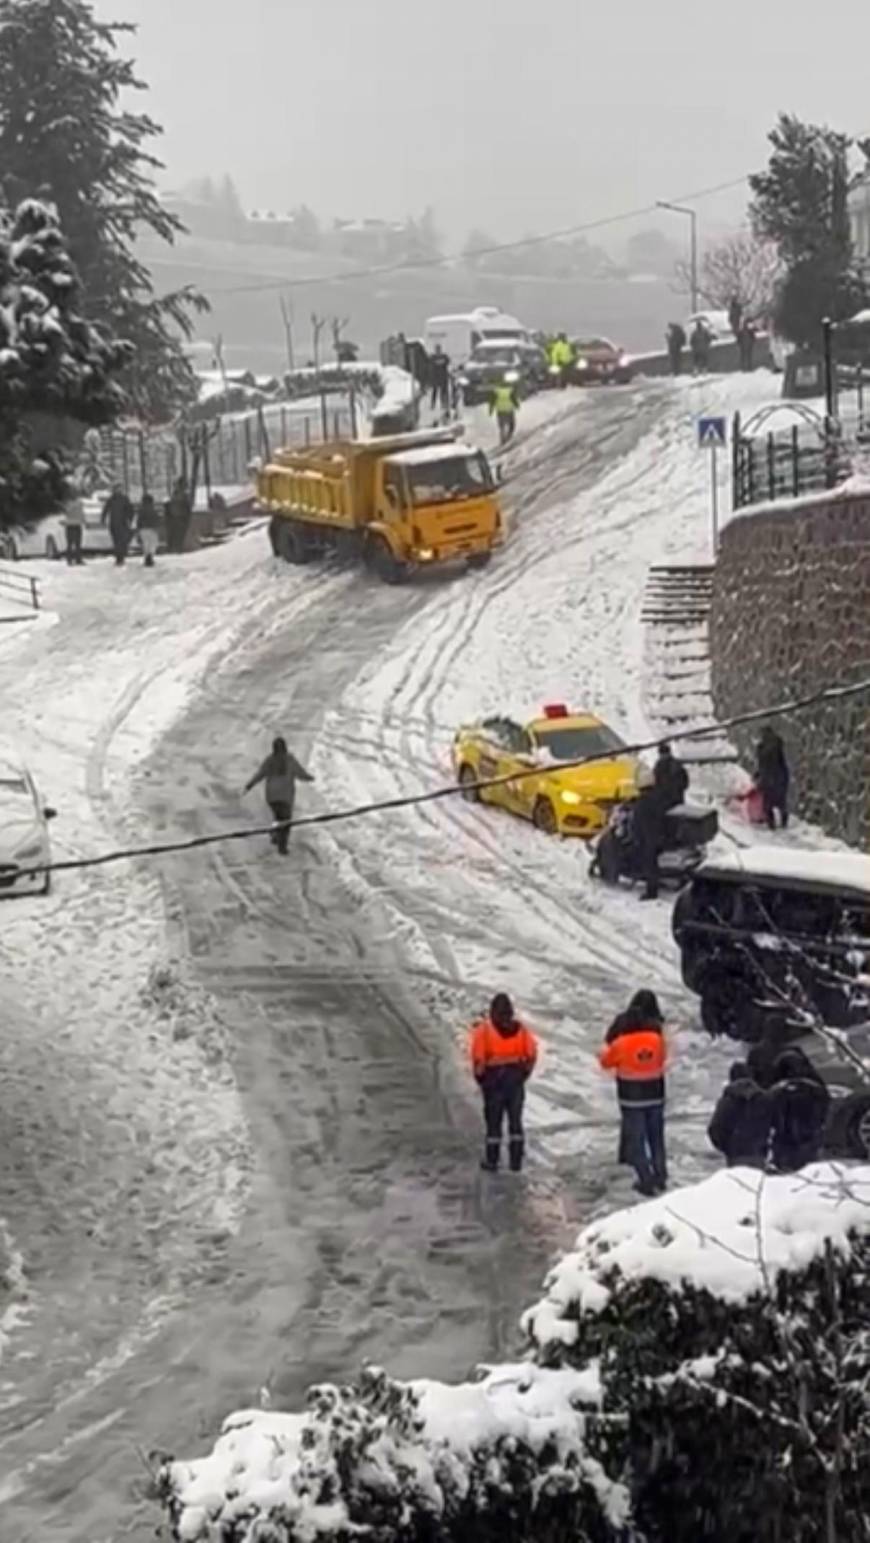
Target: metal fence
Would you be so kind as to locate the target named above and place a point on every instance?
(219, 453)
(809, 456)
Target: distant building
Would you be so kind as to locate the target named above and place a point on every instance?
(859, 218)
(371, 240)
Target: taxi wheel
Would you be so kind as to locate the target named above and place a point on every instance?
(467, 780)
(544, 817)
(858, 1130)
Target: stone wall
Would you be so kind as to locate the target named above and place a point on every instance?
(791, 615)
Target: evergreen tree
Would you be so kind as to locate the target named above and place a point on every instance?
(57, 371)
(66, 137)
(801, 204)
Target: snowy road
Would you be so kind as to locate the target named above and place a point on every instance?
(273, 1174)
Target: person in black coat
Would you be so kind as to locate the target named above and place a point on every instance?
(671, 777)
(741, 1125)
(676, 341)
(772, 776)
(800, 1103)
(648, 831)
(120, 516)
(439, 376)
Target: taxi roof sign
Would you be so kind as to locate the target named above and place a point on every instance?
(556, 710)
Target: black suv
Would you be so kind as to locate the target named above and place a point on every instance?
(522, 365)
(774, 936)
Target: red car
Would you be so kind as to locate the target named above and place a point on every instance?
(597, 361)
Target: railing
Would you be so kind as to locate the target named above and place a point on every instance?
(20, 587)
(808, 457)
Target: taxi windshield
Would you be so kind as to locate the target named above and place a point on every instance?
(572, 744)
(445, 480)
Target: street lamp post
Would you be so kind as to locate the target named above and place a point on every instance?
(693, 259)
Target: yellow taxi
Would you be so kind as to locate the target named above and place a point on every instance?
(560, 799)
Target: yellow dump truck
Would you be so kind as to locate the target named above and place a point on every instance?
(409, 501)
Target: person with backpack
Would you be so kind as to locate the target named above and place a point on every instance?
(636, 1052)
(773, 776)
(742, 1121)
(800, 1103)
(280, 771)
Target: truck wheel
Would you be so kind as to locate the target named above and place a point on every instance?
(275, 535)
(467, 781)
(479, 560)
(384, 563)
(292, 543)
(544, 817)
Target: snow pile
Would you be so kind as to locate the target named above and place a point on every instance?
(730, 1235)
(506, 1452)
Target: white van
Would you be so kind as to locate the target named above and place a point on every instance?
(458, 336)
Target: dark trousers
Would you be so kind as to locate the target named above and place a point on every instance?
(74, 544)
(775, 800)
(281, 814)
(503, 1100)
(120, 545)
(441, 395)
(507, 427)
(676, 359)
(643, 1141)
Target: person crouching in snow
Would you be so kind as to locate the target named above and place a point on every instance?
(638, 1055)
(280, 771)
(503, 1056)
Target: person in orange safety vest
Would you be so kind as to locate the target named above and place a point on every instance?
(637, 1052)
(503, 1056)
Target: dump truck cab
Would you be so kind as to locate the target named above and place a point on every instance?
(436, 503)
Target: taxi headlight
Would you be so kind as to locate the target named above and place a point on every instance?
(569, 797)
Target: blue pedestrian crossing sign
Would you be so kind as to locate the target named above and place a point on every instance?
(712, 433)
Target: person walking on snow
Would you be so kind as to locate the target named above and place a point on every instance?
(637, 1054)
(74, 523)
(439, 375)
(700, 347)
(504, 405)
(149, 521)
(178, 517)
(280, 771)
(772, 776)
(648, 830)
(503, 1056)
(119, 515)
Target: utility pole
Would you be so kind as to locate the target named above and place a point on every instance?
(287, 315)
(693, 244)
(317, 325)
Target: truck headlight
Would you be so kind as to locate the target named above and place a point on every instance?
(569, 797)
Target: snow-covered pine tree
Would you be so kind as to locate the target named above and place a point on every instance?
(68, 138)
(56, 369)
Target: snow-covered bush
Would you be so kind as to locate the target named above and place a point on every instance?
(502, 1459)
(732, 1324)
(55, 368)
(697, 1371)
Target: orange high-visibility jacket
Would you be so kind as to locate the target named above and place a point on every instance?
(639, 1059)
(490, 1049)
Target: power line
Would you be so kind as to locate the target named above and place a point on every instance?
(449, 790)
(411, 264)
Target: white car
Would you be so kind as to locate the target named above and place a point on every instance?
(24, 839)
(47, 539)
(716, 322)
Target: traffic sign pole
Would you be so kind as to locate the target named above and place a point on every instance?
(714, 498)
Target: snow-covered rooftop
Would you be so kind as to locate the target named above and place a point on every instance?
(844, 870)
(427, 454)
(730, 1235)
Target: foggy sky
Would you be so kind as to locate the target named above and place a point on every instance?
(517, 115)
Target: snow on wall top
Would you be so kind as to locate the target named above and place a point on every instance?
(846, 870)
(730, 1235)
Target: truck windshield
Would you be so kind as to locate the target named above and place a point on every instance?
(573, 744)
(446, 480)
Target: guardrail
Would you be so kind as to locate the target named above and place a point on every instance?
(20, 587)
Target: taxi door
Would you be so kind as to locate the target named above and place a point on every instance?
(516, 794)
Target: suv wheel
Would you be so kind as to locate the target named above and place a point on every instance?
(858, 1130)
(725, 1010)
